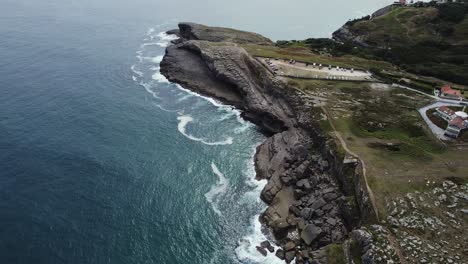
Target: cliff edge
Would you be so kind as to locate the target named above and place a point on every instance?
(307, 209)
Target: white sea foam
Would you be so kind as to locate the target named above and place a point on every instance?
(217, 189)
(185, 97)
(220, 106)
(149, 44)
(185, 119)
(247, 251)
(157, 76)
(156, 59)
(165, 39)
(164, 36)
(257, 186)
(150, 31)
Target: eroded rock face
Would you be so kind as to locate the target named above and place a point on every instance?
(193, 31)
(305, 201)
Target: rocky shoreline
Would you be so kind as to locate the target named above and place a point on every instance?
(314, 198)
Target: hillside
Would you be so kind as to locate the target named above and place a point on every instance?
(429, 40)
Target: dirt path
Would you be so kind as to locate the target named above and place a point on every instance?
(363, 164)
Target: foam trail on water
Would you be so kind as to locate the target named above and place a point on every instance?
(137, 72)
(147, 87)
(217, 190)
(185, 97)
(184, 120)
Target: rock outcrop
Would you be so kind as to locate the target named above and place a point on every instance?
(192, 31)
(306, 201)
(344, 35)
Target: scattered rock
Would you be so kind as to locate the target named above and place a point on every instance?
(280, 254)
(289, 246)
(262, 251)
(289, 256)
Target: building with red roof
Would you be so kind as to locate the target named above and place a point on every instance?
(447, 92)
(445, 112)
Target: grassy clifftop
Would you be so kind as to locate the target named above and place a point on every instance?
(429, 40)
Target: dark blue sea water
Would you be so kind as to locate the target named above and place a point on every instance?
(104, 161)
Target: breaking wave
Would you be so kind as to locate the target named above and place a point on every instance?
(247, 249)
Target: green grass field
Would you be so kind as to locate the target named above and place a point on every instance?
(400, 153)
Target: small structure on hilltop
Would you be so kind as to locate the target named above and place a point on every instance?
(447, 92)
(399, 3)
(457, 121)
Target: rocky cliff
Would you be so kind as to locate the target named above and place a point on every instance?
(305, 192)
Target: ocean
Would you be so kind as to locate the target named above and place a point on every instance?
(102, 160)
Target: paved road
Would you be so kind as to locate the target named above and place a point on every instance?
(439, 132)
(448, 101)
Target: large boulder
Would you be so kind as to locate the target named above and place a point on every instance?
(262, 251)
(310, 233)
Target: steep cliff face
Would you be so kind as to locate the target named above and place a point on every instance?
(307, 208)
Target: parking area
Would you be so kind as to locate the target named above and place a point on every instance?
(292, 68)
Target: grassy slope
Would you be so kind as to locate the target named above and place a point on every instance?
(402, 25)
(420, 40)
